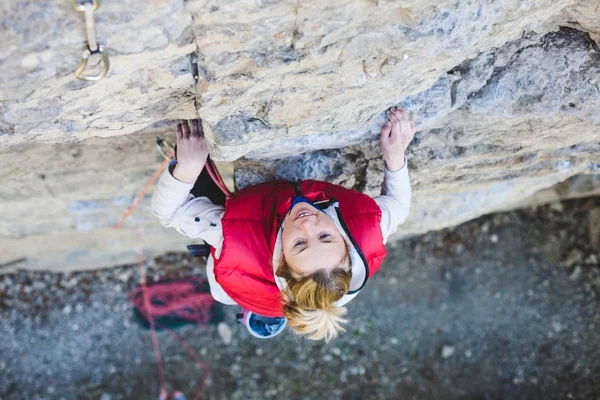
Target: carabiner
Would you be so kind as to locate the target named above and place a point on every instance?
(84, 60)
(93, 47)
(161, 144)
(81, 6)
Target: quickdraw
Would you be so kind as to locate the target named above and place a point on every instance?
(93, 47)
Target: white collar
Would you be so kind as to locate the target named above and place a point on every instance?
(359, 269)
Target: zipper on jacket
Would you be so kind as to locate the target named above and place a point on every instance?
(360, 253)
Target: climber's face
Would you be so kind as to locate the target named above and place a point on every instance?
(311, 241)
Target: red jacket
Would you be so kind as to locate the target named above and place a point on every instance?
(250, 226)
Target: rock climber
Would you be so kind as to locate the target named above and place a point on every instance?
(288, 253)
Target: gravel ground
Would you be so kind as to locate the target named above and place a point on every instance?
(503, 307)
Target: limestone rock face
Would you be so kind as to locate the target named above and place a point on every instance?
(505, 94)
(286, 77)
(493, 131)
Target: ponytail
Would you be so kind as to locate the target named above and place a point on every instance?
(308, 301)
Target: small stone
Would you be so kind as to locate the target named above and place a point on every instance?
(575, 256)
(79, 307)
(225, 332)
(494, 238)
(448, 351)
(112, 370)
(259, 352)
(575, 274)
(124, 276)
(67, 309)
(591, 260)
(75, 327)
(72, 282)
(105, 396)
(336, 351)
(468, 353)
(50, 390)
(485, 227)
(327, 357)
(557, 326)
(393, 341)
(557, 206)
(393, 280)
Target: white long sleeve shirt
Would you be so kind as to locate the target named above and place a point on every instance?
(198, 217)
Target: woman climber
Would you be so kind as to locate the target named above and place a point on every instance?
(287, 253)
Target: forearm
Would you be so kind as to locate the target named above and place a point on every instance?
(394, 163)
(185, 174)
(169, 195)
(395, 200)
(195, 217)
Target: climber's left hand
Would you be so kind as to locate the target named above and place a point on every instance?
(395, 137)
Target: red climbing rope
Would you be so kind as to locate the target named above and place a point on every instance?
(213, 171)
(144, 190)
(181, 299)
(146, 307)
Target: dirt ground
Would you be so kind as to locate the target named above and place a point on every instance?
(503, 307)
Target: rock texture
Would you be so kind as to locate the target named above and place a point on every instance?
(149, 45)
(492, 131)
(505, 94)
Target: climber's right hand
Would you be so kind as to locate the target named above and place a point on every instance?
(395, 137)
(192, 151)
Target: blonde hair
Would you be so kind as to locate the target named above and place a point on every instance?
(308, 301)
